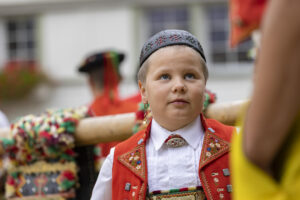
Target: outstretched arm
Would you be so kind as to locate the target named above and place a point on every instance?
(276, 97)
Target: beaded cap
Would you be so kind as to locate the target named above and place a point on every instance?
(168, 38)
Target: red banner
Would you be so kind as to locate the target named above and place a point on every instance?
(245, 16)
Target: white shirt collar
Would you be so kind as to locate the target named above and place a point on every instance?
(192, 133)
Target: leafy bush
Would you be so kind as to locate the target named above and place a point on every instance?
(17, 79)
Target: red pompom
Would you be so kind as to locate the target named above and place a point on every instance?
(68, 175)
(140, 115)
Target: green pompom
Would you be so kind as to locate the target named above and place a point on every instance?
(66, 184)
(97, 151)
(71, 129)
(15, 174)
(7, 142)
(67, 157)
(135, 129)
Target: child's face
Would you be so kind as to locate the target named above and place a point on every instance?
(174, 86)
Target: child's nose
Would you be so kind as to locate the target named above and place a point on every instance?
(179, 86)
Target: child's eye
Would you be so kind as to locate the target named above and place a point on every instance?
(189, 76)
(164, 77)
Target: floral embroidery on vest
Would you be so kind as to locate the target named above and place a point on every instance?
(135, 160)
(213, 147)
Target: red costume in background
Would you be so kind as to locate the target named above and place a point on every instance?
(104, 105)
(245, 16)
(109, 102)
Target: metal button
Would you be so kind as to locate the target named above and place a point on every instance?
(211, 130)
(216, 180)
(127, 187)
(214, 174)
(226, 172)
(221, 196)
(229, 188)
(140, 141)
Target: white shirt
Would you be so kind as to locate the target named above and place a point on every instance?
(168, 168)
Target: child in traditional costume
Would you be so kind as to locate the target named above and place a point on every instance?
(180, 155)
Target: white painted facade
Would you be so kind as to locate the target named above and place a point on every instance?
(68, 30)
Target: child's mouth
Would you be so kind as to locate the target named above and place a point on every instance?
(179, 102)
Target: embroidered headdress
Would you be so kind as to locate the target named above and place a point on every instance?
(168, 38)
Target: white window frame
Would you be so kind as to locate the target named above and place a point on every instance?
(230, 67)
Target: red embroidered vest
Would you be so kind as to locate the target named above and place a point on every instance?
(129, 173)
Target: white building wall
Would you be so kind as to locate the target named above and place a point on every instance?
(66, 36)
(3, 54)
(69, 36)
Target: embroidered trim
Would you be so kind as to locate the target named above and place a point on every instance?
(43, 167)
(205, 185)
(168, 38)
(176, 190)
(61, 196)
(185, 195)
(135, 160)
(213, 147)
(142, 192)
(41, 180)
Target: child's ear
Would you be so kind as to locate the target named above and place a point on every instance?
(143, 92)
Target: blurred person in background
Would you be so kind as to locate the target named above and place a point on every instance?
(265, 157)
(103, 75)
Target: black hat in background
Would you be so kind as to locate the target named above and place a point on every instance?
(97, 60)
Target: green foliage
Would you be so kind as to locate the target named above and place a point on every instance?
(18, 79)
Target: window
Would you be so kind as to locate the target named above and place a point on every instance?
(218, 28)
(21, 43)
(167, 18)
